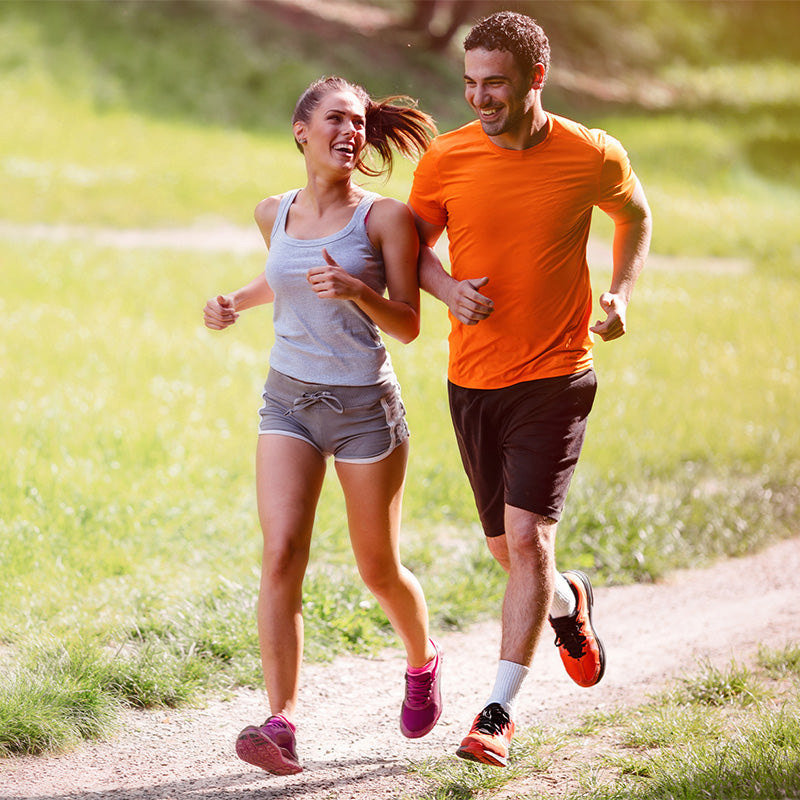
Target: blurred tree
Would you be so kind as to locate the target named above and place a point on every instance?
(640, 33)
(438, 21)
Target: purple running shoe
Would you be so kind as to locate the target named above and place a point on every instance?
(270, 746)
(422, 705)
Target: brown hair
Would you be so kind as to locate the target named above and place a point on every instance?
(515, 33)
(392, 122)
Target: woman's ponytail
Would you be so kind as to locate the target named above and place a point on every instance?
(396, 122)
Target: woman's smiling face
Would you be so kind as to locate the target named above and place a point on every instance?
(336, 130)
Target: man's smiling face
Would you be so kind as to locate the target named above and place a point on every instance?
(496, 90)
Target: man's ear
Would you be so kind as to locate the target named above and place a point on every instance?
(537, 77)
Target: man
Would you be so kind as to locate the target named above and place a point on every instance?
(515, 191)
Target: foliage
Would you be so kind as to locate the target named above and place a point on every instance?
(718, 733)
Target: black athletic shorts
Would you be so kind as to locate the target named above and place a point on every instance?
(520, 444)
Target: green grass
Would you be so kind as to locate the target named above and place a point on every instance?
(728, 187)
(128, 527)
(780, 663)
(727, 733)
(449, 778)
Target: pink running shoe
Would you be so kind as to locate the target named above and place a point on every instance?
(270, 747)
(422, 705)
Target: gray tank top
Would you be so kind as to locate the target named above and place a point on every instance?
(323, 340)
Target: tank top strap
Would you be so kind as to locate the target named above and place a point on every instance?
(279, 225)
(363, 208)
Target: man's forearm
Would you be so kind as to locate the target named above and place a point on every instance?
(631, 245)
(432, 276)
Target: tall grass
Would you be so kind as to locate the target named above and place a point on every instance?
(724, 733)
(128, 517)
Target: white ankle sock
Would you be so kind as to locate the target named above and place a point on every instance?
(507, 685)
(564, 602)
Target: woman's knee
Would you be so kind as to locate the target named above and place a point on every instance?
(284, 559)
(379, 576)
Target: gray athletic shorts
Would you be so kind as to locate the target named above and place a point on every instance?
(354, 424)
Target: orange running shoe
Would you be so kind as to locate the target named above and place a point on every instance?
(489, 738)
(582, 652)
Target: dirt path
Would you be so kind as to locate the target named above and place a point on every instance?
(348, 730)
(243, 240)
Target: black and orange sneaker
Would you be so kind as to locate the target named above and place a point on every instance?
(582, 652)
(489, 738)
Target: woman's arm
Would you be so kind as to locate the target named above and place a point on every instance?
(223, 310)
(391, 228)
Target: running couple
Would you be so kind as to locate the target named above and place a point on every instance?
(515, 191)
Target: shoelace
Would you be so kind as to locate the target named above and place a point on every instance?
(418, 689)
(280, 733)
(570, 636)
(307, 400)
(493, 720)
(274, 725)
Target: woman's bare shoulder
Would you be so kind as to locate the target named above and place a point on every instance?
(388, 212)
(266, 211)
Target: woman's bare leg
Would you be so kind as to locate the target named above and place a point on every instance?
(374, 498)
(289, 476)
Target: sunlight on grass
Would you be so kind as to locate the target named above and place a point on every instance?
(724, 737)
(715, 686)
(176, 173)
(668, 724)
(717, 194)
(779, 663)
(52, 701)
(129, 523)
(744, 85)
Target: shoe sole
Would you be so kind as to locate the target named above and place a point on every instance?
(587, 585)
(479, 755)
(258, 750)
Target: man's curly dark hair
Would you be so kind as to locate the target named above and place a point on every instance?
(516, 34)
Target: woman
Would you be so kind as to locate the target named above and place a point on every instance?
(334, 249)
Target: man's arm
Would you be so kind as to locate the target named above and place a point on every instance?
(463, 299)
(632, 229)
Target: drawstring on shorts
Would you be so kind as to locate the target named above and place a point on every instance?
(306, 400)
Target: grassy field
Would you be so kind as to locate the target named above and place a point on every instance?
(727, 733)
(130, 546)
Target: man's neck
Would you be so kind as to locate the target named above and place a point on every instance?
(526, 136)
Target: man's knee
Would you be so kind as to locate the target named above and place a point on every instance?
(530, 534)
(498, 547)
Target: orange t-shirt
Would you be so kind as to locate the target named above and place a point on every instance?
(522, 217)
